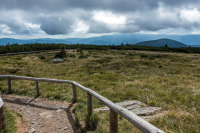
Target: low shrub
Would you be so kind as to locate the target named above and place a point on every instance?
(82, 56)
(61, 54)
(123, 53)
(72, 55)
(42, 57)
(130, 54)
(144, 56)
(91, 122)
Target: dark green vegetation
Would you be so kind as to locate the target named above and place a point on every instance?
(61, 54)
(163, 79)
(11, 124)
(13, 48)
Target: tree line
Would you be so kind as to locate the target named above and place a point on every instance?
(13, 48)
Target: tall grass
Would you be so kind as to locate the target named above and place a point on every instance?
(167, 80)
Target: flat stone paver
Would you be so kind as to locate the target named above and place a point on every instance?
(137, 108)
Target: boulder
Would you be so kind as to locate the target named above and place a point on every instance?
(57, 60)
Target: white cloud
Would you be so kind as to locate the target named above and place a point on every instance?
(109, 17)
(190, 15)
(80, 27)
(32, 26)
(5, 29)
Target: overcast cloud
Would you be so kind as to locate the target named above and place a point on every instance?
(76, 18)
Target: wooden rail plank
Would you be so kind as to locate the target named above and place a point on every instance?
(113, 122)
(37, 88)
(9, 86)
(89, 105)
(36, 79)
(74, 93)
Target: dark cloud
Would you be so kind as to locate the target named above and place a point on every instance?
(17, 28)
(114, 5)
(59, 17)
(14, 25)
(179, 3)
(56, 25)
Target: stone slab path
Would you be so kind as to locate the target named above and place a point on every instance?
(43, 116)
(137, 108)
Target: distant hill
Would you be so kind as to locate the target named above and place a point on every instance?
(196, 46)
(162, 43)
(100, 42)
(115, 39)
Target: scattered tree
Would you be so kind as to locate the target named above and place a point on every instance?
(62, 53)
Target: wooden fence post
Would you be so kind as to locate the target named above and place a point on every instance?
(9, 86)
(113, 122)
(2, 116)
(37, 88)
(74, 93)
(89, 105)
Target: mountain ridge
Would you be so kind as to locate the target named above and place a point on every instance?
(114, 39)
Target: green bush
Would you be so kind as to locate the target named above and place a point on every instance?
(130, 54)
(42, 57)
(144, 56)
(79, 50)
(82, 56)
(151, 57)
(95, 56)
(18, 58)
(91, 122)
(123, 53)
(72, 55)
(61, 54)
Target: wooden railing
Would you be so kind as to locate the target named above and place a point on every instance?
(114, 109)
(2, 116)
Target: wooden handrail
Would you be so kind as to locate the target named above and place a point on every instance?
(115, 109)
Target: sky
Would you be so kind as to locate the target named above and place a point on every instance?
(27, 19)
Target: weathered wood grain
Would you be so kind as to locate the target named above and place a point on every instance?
(89, 105)
(74, 93)
(36, 79)
(37, 88)
(9, 85)
(113, 122)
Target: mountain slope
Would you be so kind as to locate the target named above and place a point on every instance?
(115, 39)
(162, 43)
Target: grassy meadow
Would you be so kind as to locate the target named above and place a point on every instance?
(167, 80)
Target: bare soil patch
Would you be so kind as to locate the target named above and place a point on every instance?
(41, 115)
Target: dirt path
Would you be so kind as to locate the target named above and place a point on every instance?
(21, 127)
(42, 116)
